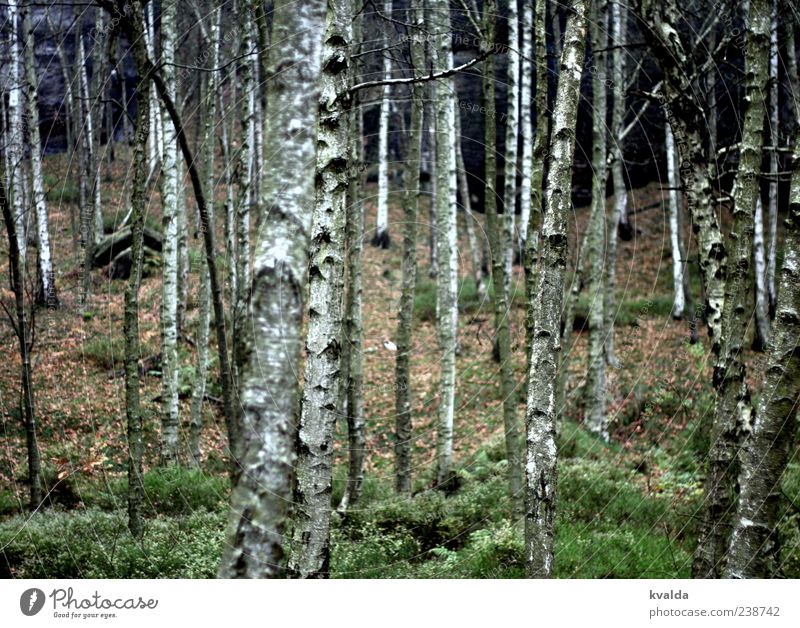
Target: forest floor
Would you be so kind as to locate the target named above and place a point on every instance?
(626, 509)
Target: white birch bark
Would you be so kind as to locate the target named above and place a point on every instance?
(526, 122)
(268, 381)
(15, 147)
(678, 303)
(762, 333)
(170, 210)
(753, 551)
(381, 237)
(155, 143)
(204, 319)
(540, 419)
(772, 211)
(511, 147)
(311, 536)
(47, 288)
(446, 245)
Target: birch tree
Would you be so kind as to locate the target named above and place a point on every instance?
(46, 292)
(540, 418)
(22, 328)
(508, 392)
(753, 549)
(774, 134)
(15, 171)
(170, 183)
(619, 36)
(678, 303)
(133, 28)
(413, 192)
(311, 534)
(381, 237)
(446, 244)
(526, 122)
(539, 158)
(595, 392)
(733, 397)
(685, 115)
(511, 146)
(262, 491)
(204, 318)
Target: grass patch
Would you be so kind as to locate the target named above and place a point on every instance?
(59, 190)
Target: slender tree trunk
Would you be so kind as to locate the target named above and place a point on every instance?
(22, 329)
(540, 419)
(352, 371)
(433, 270)
(595, 392)
(245, 195)
(311, 535)
(508, 392)
(155, 142)
(131, 317)
(46, 292)
(381, 237)
(446, 241)
(15, 146)
(774, 135)
(539, 157)
(204, 319)
(753, 549)
(619, 35)
(733, 397)
(511, 148)
(526, 123)
(169, 293)
(684, 113)
(87, 212)
(268, 384)
(678, 304)
(403, 424)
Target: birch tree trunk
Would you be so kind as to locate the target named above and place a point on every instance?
(204, 318)
(511, 148)
(131, 316)
(352, 371)
(774, 134)
(381, 237)
(87, 197)
(155, 142)
(678, 304)
(433, 269)
(539, 157)
(245, 192)
(15, 146)
(761, 314)
(311, 535)
(619, 35)
(684, 113)
(262, 492)
(508, 391)
(595, 392)
(446, 241)
(526, 123)
(753, 549)
(46, 292)
(403, 423)
(733, 396)
(169, 291)
(23, 333)
(540, 419)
